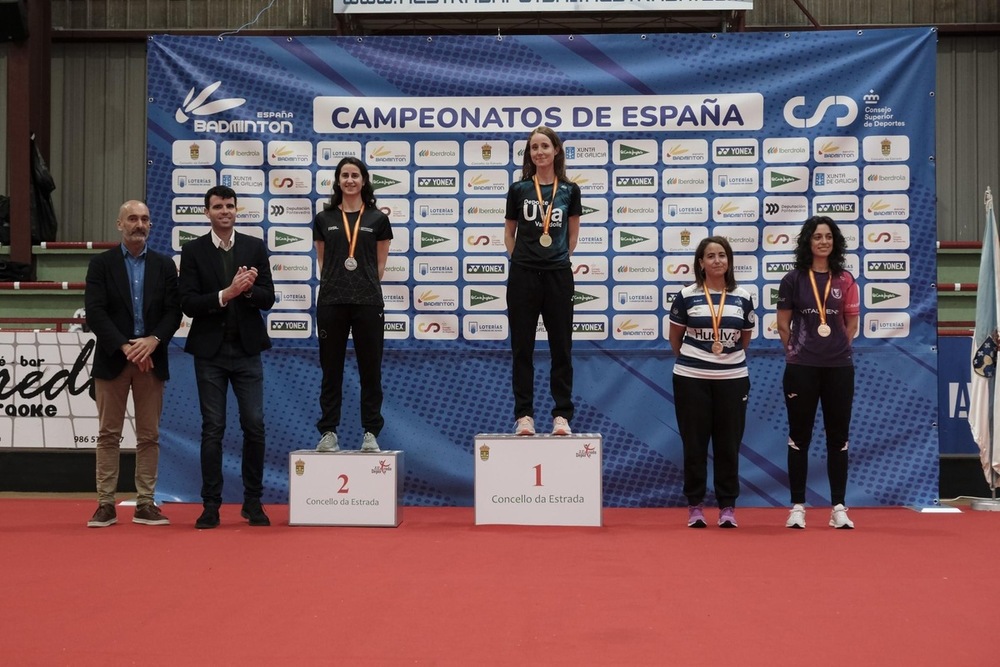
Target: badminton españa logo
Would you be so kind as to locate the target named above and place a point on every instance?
(197, 105)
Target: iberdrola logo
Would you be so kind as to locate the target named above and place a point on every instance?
(197, 106)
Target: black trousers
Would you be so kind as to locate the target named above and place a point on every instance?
(716, 411)
(532, 293)
(335, 324)
(805, 388)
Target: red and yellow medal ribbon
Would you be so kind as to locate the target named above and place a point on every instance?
(548, 212)
(352, 239)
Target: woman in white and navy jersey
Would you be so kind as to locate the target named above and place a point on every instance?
(711, 322)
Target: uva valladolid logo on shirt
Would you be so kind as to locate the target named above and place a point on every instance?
(198, 106)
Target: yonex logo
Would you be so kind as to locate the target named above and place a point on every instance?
(196, 106)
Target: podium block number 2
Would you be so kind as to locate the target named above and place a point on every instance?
(343, 484)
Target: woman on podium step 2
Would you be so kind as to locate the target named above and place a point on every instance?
(711, 321)
(352, 238)
(541, 227)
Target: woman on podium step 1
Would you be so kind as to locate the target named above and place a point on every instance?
(541, 227)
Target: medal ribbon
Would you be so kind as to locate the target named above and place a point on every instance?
(826, 295)
(352, 239)
(716, 316)
(548, 213)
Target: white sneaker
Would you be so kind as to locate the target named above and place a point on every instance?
(839, 518)
(369, 444)
(560, 426)
(524, 426)
(797, 517)
(328, 443)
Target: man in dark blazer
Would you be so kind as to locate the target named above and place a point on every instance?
(225, 283)
(133, 308)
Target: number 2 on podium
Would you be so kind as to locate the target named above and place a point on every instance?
(538, 474)
(343, 484)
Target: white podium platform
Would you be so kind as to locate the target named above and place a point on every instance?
(346, 488)
(539, 480)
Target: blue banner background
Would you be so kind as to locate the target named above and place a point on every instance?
(439, 394)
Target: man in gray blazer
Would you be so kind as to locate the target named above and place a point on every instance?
(225, 283)
(133, 308)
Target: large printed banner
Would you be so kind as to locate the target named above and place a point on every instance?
(670, 137)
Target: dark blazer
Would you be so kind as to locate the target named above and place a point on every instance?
(201, 278)
(108, 301)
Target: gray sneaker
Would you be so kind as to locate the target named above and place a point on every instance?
(369, 444)
(328, 443)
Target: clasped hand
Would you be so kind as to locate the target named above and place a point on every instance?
(139, 351)
(243, 282)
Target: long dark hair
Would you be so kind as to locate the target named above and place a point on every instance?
(699, 254)
(803, 249)
(558, 162)
(367, 191)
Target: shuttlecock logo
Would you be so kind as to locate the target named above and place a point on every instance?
(197, 106)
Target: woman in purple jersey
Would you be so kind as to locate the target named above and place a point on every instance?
(818, 308)
(711, 322)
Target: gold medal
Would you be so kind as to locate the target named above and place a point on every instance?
(545, 240)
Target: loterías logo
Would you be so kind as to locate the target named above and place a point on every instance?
(196, 106)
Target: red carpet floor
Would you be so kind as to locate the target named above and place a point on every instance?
(902, 589)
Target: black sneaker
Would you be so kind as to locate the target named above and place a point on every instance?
(150, 515)
(209, 518)
(253, 512)
(103, 517)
